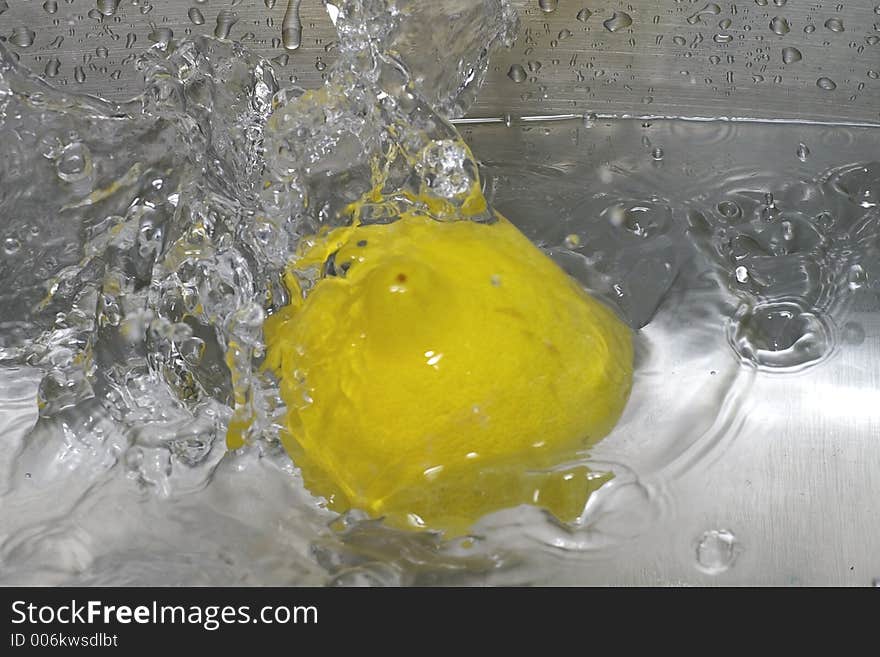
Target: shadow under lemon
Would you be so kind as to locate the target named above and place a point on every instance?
(439, 371)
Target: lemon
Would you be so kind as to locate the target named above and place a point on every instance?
(439, 371)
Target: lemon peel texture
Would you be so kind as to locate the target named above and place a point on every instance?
(439, 371)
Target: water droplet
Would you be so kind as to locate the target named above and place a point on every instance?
(856, 277)
(710, 9)
(874, 75)
(779, 25)
(780, 335)
(716, 551)
(161, 35)
(270, 4)
(11, 245)
(679, 40)
(79, 74)
(130, 39)
(584, 15)
(53, 66)
(826, 83)
(517, 73)
(225, 21)
(725, 23)
(791, 55)
(108, 7)
(834, 24)
(196, 16)
(22, 37)
(572, 241)
(563, 35)
(50, 6)
(291, 26)
(548, 6)
(102, 52)
(657, 153)
(742, 274)
(75, 162)
(618, 21)
(809, 29)
(803, 152)
(722, 38)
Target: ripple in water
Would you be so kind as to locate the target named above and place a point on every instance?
(781, 336)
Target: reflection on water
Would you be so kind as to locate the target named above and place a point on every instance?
(144, 243)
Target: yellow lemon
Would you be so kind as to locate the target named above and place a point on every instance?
(439, 371)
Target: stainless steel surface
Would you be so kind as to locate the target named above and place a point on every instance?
(798, 482)
(766, 58)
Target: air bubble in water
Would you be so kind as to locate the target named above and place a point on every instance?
(618, 21)
(517, 73)
(572, 241)
(856, 277)
(11, 245)
(826, 83)
(791, 55)
(548, 6)
(716, 551)
(74, 163)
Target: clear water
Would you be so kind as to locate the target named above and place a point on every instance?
(143, 244)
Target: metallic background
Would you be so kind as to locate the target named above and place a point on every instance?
(677, 57)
